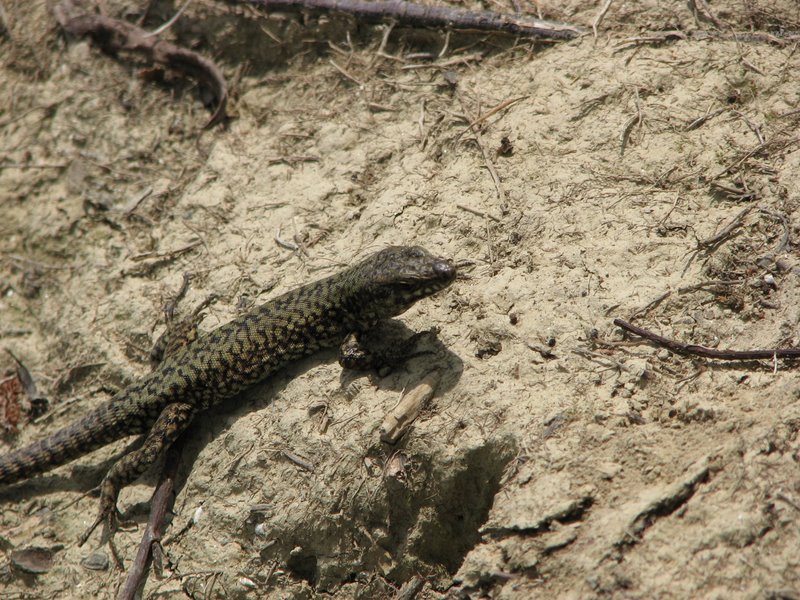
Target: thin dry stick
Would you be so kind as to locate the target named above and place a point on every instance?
(751, 66)
(492, 111)
(381, 51)
(651, 305)
(660, 37)
(705, 284)
(171, 22)
(753, 127)
(701, 8)
(417, 15)
(478, 213)
(781, 218)
(716, 239)
(600, 16)
(443, 64)
(632, 122)
(711, 244)
(347, 75)
(33, 166)
(501, 195)
(699, 121)
(120, 35)
(775, 144)
(732, 192)
(445, 46)
(421, 121)
(410, 589)
(162, 501)
(695, 350)
(682, 290)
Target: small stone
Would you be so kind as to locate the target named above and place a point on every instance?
(96, 561)
(247, 583)
(33, 559)
(198, 515)
(560, 539)
(609, 470)
(764, 262)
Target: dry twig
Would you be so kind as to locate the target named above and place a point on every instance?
(171, 22)
(695, 350)
(161, 504)
(494, 110)
(718, 238)
(116, 35)
(702, 11)
(781, 218)
(600, 16)
(698, 122)
(501, 195)
(712, 243)
(399, 419)
(478, 213)
(661, 37)
(630, 124)
(418, 15)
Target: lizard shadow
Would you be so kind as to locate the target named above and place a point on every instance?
(311, 35)
(432, 353)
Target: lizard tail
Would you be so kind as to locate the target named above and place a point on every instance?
(81, 437)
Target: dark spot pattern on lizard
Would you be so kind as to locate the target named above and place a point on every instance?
(218, 365)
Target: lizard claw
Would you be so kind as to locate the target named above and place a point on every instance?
(110, 516)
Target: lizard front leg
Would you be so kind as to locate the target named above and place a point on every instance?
(172, 421)
(178, 333)
(357, 355)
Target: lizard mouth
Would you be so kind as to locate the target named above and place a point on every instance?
(438, 276)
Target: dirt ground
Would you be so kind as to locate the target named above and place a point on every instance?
(643, 176)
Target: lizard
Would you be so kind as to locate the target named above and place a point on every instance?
(223, 362)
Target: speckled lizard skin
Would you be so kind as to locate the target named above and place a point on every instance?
(221, 363)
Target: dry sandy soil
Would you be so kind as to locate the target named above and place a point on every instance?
(645, 177)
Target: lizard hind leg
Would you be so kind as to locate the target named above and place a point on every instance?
(172, 421)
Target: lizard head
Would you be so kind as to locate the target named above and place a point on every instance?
(391, 280)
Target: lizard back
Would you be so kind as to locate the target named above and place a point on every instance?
(222, 363)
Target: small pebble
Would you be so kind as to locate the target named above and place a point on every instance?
(32, 559)
(96, 561)
(248, 583)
